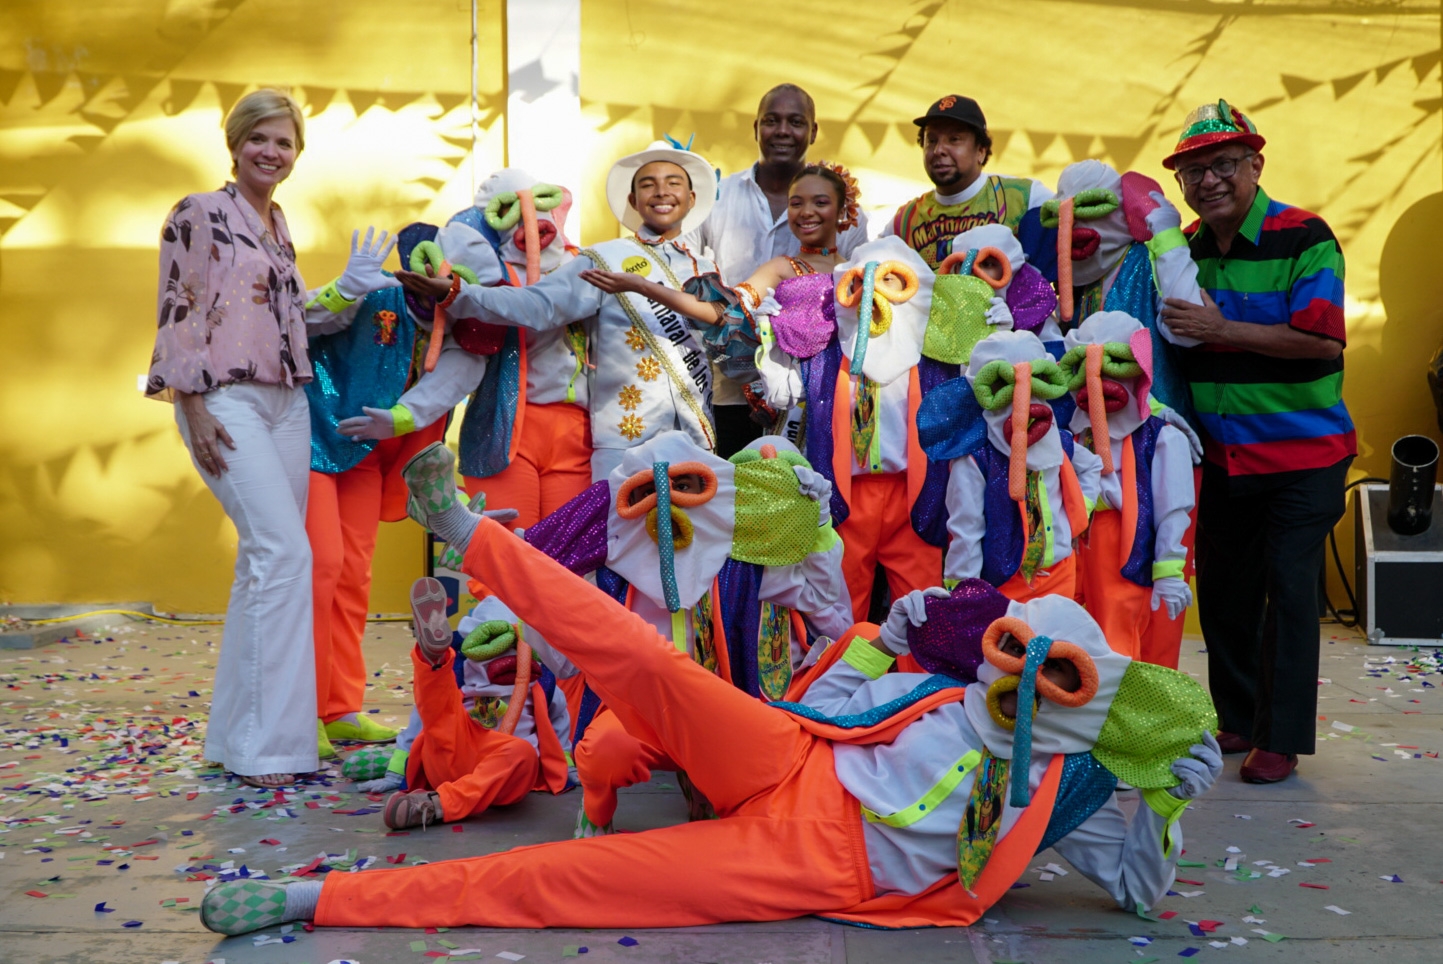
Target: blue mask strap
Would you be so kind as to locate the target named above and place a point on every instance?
(665, 538)
(864, 318)
(1021, 794)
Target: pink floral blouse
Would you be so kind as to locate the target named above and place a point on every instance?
(232, 304)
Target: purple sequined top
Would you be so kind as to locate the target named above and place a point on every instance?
(808, 317)
(575, 534)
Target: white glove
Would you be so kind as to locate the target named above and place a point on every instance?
(814, 485)
(501, 516)
(999, 316)
(363, 271)
(1162, 217)
(384, 784)
(1199, 771)
(1172, 592)
(377, 424)
(910, 610)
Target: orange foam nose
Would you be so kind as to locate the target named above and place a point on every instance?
(1097, 408)
(1064, 260)
(533, 235)
(769, 451)
(1021, 413)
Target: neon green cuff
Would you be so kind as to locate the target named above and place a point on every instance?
(1169, 567)
(402, 419)
(1157, 407)
(1160, 244)
(398, 761)
(330, 298)
(1092, 504)
(1168, 807)
(950, 584)
(869, 659)
(826, 537)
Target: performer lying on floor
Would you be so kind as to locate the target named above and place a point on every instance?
(489, 724)
(868, 801)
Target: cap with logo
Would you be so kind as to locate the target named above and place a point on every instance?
(955, 107)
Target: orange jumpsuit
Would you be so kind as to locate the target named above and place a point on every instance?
(472, 767)
(343, 513)
(789, 839)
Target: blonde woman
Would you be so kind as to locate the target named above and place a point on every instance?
(230, 353)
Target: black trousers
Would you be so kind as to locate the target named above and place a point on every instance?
(1258, 558)
(735, 429)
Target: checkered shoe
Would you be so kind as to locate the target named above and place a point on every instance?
(243, 906)
(431, 478)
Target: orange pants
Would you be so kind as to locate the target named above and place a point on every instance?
(552, 464)
(1162, 639)
(609, 758)
(1061, 580)
(343, 512)
(789, 841)
(1121, 607)
(879, 532)
(471, 767)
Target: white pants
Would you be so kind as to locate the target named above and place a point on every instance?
(263, 710)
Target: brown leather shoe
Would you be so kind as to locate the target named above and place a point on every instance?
(1265, 766)
(415, 808)
(1233, 743)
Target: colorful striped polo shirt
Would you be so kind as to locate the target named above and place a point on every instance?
(1266, 418)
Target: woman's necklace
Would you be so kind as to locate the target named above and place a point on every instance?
(823, 252)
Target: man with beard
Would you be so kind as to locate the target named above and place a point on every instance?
(748, 227)
(955, 147)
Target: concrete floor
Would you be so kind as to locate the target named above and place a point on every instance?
(126, 714)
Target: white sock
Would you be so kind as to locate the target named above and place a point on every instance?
(454, 526)
(301, 899)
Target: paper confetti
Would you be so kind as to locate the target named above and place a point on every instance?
(628, 942)
(1338, 910)
(510, 956)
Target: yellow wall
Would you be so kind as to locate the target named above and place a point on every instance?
(110, 112)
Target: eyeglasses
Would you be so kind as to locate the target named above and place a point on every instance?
(1223, 167)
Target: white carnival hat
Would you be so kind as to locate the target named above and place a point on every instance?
(703, 182)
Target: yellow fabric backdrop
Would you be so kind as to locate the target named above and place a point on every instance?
(110, 112)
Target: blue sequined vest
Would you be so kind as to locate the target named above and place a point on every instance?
(370, 363)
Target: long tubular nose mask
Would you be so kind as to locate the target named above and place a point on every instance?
(1021, 413)
(1064, 259)
(532, 235)
(864, 317)
(429, 252)
(665, 538)
(1021, 793)
(1097, 408)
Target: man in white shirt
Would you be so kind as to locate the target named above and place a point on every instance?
(748, 227)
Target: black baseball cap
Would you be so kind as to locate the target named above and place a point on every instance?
(955, 107)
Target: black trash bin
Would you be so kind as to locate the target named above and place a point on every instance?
(1410, 488)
